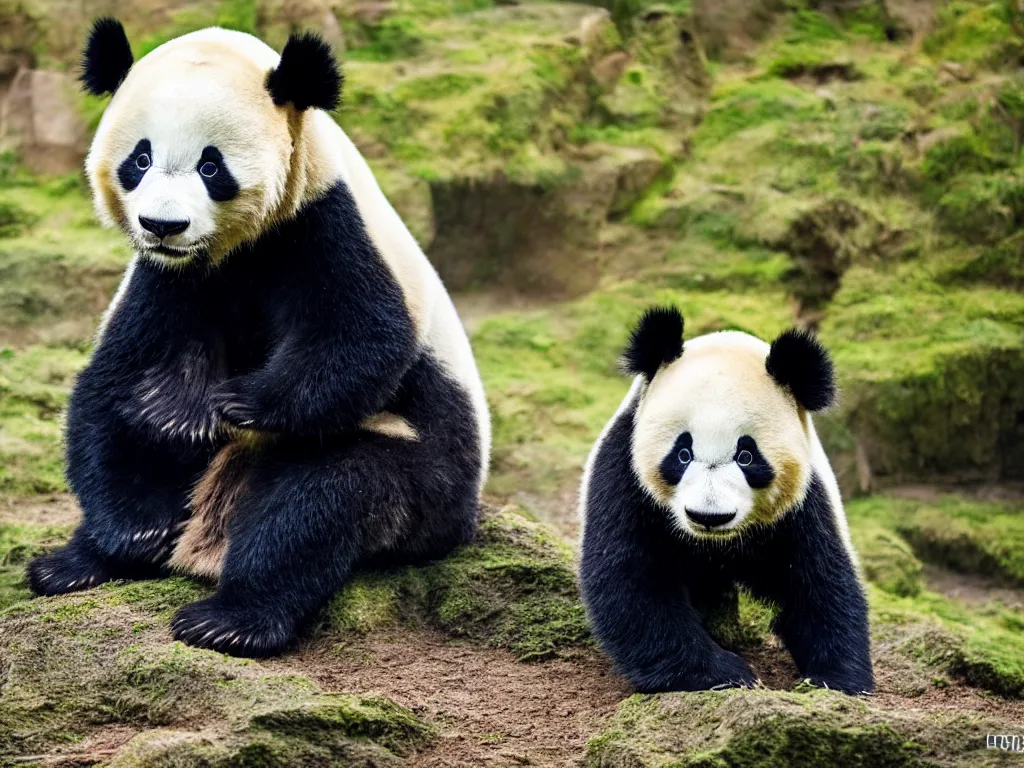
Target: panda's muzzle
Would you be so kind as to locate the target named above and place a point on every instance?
(163, 227)
(710, 520)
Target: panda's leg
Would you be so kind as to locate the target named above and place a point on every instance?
(134, 495)
(823, 616)
(296, 533)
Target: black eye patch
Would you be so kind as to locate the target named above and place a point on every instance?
(213, 170)
(755, 467)
(134, 167)
(678, 459)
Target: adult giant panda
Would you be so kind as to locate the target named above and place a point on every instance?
(711, 475)
(281, 390)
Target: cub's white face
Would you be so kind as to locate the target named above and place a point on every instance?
(192, 156)
(717, 441)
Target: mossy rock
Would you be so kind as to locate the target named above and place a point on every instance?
(514, 587)
(79, 664)
(754, 728)
(929, 377)
(886, 559)
(982, 538)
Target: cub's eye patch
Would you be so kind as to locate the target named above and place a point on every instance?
(755, 467)
(213, 170)
(134, 167)
(678, 459)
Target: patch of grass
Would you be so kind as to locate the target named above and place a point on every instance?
(973, 537)
(34, 386)
(984, 647)
(974, 32)
(19, 543)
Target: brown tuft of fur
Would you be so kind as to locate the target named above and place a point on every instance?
(202, 546)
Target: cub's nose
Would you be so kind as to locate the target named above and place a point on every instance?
(163, 227)
(710, 519)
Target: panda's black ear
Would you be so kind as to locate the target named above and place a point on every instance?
(307, 75)
(656, 341)
(798, 362)
(107, 57)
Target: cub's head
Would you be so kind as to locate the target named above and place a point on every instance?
(196, 152)
(722, 433)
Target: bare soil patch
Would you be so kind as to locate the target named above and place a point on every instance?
(491, 709)
(57, 509)
(972, 589)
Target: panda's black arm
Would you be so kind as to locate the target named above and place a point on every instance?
(345, 334)
(631, 573)
(823, 617)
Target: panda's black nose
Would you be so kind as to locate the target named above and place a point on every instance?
(163, 227)
(710, 519)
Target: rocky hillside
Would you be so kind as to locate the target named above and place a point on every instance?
(852, 166)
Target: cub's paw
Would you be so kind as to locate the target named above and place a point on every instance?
(727, 670)
(720, 669)
(69, 569)
(229, 627)
(849, 684)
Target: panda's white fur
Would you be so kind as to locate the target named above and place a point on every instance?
(719, 390)
(192, 78)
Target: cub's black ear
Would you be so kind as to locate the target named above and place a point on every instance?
(800, 363)
(107, 57)
(656, 341)
(307, 75)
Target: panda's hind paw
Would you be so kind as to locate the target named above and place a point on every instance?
(69, 569)
(229, 627)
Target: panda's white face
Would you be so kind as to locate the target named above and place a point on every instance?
(717, 441)
(192, 156)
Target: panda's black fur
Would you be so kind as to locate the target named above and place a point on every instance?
(297, 338)
(649, 588)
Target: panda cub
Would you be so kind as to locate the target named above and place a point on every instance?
(281, 390)
(711, 476)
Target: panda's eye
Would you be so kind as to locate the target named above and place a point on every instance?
(744, 458)
(685, 457)
(208, 169)
(142, 162)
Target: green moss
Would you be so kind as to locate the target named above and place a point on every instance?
(342, 717)
(366, 603)
(18, 544)
(748, 729)
(885, 557)
(514, 587)
(983, 647)
(984, 538)
(33, 389)
(975, 32)
(393, 38)
(983, 209)
(86, 661)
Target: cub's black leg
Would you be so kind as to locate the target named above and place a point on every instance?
(296, 534)
(643, 618)
(634, 574)
(823, 617)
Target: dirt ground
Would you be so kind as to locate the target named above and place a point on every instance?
(491, 709)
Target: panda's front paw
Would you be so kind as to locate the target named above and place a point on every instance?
(231, 627)
(849, 684)
(727, 670)
(69, 569)
(234, 403)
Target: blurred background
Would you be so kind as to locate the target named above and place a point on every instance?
(851, 166)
